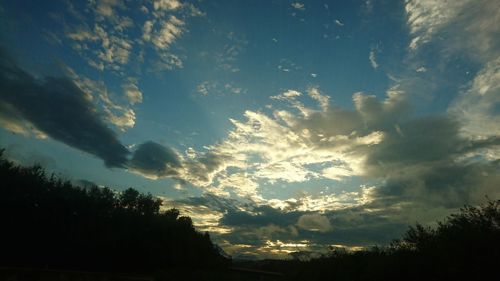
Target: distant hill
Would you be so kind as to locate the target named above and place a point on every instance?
(50, 223)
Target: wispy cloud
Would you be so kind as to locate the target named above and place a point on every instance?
(373, 59)
(298, 6)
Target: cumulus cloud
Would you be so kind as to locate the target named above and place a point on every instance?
(154, 160)
(378, 140)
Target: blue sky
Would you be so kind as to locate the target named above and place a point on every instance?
(278, 126)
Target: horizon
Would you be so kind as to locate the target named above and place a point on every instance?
(277, 126)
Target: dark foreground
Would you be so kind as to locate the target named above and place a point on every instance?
(53, 230)
(37, 274)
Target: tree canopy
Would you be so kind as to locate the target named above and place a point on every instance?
(49, 222)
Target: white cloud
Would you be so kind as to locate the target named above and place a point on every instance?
(114, 50)
(163, 25)
(298, 6)
(105, 7)
(205, 218)
(206, 88)
(170, 30)
(166, 4)
(421, 69)
(146, 30)
(282, 147)
(121, 116)
(323, 100)
(426, 17)
(461, 25)
(168, 61)
(132, 92)
(82, 34)
(373, 59)
(479, 107)
(326, 202)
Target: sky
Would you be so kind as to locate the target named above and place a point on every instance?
(277, 126)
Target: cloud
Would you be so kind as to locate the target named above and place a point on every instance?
(132, 92)
(227, 56)
(59, 109)
(314, 222)
(122, 116)
(284, 147)
(298, 6)
(111, 50)
(425, 18)
(146, 30)
(248, 229)
(154, 160)
(166, 4)
(105, 7)
(169, 31)
(323, 100)
(432, 163)
(287, 65)
(452, 22)
(206, 88)
(478, 108)
(108, 39)
(373, 59)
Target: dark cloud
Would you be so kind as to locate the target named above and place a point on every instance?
(213, 202)
(260, 216)
(61, 110)
(351, 227)
(154, 159)
(58, 108)
(428, 160)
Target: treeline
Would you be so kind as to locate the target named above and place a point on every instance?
(50, 223)
(465, 246)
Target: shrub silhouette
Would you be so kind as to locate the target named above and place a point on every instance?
(48, 222)
(465, 246)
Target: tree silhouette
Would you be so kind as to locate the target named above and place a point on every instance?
(48, 222)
